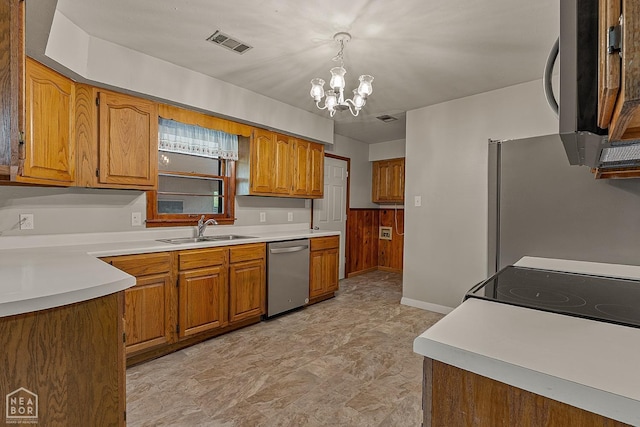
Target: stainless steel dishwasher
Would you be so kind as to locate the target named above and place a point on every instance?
(287, 275)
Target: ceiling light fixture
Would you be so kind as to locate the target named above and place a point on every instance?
(335, 96)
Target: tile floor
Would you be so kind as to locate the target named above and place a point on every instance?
(347, 361)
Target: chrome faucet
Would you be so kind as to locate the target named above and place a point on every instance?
(202, 225)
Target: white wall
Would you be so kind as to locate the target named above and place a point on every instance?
(360, 178)
(387, 150)
(82, 210)
(107, 63)
(445, 250)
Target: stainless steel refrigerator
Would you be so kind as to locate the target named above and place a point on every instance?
(539, 205)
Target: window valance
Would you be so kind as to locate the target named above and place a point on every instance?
(182, 138)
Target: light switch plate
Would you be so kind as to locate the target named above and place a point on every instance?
(263, 217)
(289, 216)
(417, 201)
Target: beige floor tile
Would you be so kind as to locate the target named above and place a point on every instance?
(347, 361)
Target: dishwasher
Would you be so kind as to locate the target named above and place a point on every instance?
(287, 275)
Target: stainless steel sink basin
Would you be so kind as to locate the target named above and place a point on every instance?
(185, 240)
(230, 237)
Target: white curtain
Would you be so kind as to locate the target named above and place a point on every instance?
(196, 141)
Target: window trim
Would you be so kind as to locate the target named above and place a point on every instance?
(154, 219)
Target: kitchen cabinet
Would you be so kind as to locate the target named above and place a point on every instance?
(202, 290)
(11, 86)
(323, 268)
(149, 319)
(271, 164)
(456, 397)
(247, 281)
(388, 181)
(308, 165)
(619, 78)
(49, 152)
(117, 140)
(72, 358)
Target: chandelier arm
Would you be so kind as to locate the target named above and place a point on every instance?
(319, 107)
(351, 105)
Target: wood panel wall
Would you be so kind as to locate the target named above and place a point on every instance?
(390, 252)
(362, 225)
(365, 251)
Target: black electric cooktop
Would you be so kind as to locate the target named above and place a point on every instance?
(601, 298)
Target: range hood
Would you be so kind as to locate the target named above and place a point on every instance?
(584, 142)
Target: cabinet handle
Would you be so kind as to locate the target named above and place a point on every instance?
(287, 250)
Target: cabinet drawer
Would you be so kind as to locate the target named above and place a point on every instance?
(320, 243)
(142, 265)
(247, 252)
(198, 258)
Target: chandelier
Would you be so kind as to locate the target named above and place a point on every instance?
(335, 96)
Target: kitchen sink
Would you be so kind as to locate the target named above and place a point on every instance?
(185, 240)
(229, 237)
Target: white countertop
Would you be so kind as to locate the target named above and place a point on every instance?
(40, 272)
(584, 363)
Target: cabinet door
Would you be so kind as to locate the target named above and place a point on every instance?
(301, 168)
(316, 282)
(283, 166)
(246, 290)
(202, 300)
(147, 313)
(316, 170)
(128, 141)
(49, 149)
(262, 162)
(330, 269)
(388, 181)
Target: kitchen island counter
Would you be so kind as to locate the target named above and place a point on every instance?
(584, 363)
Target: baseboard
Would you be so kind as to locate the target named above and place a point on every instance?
(392, 270)
(426, 305)
(359, 272)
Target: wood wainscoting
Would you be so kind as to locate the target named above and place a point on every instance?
(366, 252)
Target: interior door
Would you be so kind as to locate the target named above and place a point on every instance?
(330, 212)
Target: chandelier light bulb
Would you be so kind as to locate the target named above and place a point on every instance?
(366, 85)
(317, 89)
(334, 100)
(337, 78)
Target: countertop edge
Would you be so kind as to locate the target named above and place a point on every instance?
(23, 264)
(610, 405)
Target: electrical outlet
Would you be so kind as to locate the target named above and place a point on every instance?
(417, 201)
(136, 219)
(289, 216)
(26, 222)
(263, 217)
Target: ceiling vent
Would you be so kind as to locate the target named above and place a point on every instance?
(387, 118)
(228, 42)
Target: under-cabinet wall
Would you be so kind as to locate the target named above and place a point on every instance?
(366, 251)
(87, 210)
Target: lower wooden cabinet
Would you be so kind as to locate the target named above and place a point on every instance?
(149, 319)
(202, 290)
(184, 297)
(247, 282)
(324, 267)
(455, 397)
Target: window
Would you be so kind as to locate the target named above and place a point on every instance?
(196, 176)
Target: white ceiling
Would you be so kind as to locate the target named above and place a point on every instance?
(421, 52)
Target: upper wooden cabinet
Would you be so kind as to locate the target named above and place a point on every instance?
(49, 141)
(619, 76)
(11, 86)
(117, 140)
(271, 164)
(388, 181)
